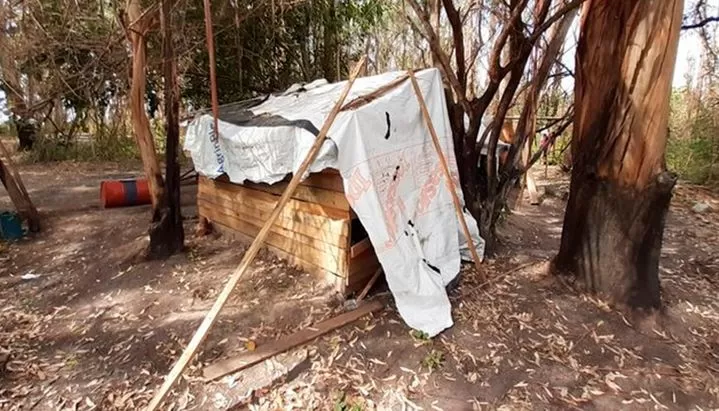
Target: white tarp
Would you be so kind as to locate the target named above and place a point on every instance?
(391, 172)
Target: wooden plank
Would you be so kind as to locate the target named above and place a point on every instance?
(361, 268)
(260, 208)
(263, 352)
(254, 248)
(329, 179)
(358, 279)
(331, 258)
(331, 233)
(257, 216)
(327, 198)
(360, 247)
(369, 285)
(291, 235)
(293, 205)
(363, 259)
(318, 272)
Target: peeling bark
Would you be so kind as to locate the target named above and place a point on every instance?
(620, 189)
(137, 30)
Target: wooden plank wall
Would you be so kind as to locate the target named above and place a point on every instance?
(312, 232)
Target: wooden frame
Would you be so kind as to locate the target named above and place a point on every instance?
(314, 231)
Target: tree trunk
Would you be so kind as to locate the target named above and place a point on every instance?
(620, 189)
(139, 26)
(167, 236)
(330, 48)
(26, 132)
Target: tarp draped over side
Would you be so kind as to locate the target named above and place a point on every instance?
(391, 172)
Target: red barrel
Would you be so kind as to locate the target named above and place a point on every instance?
(122, 193)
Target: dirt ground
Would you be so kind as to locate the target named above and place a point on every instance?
(88, 324)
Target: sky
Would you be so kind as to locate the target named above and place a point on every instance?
(689, 49)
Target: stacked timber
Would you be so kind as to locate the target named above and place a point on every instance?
(316, 231)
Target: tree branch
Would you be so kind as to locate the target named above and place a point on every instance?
(458, 37)
(552, 19)
(701, 23)
(569, 119)
(436, 48)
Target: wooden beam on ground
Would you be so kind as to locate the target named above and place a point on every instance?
(445, 171)
(251, 252)
(247, 359)
(10, 178)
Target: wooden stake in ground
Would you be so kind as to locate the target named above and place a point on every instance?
(251, 252)
(16, 190)
(445, 170)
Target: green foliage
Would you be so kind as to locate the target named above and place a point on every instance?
(6, 129)
(75, 54)
(433, 360)
(273, 48)
(693, 145)
(72, 51)
(420, 336)
(344, 403)
(102, 148)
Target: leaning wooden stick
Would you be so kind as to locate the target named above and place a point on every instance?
(445, 169)
(369, 285)
(18, 193)
(209, 320)
(213, 77)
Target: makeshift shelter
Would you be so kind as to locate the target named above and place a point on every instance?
(391, 186)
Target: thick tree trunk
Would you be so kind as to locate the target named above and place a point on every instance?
(167, 236)
(620, 189)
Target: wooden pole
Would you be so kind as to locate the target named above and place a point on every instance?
(10, 178)
(211, 316)
(445, 169)
(213, 75)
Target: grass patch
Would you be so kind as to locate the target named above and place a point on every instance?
(433, 360)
